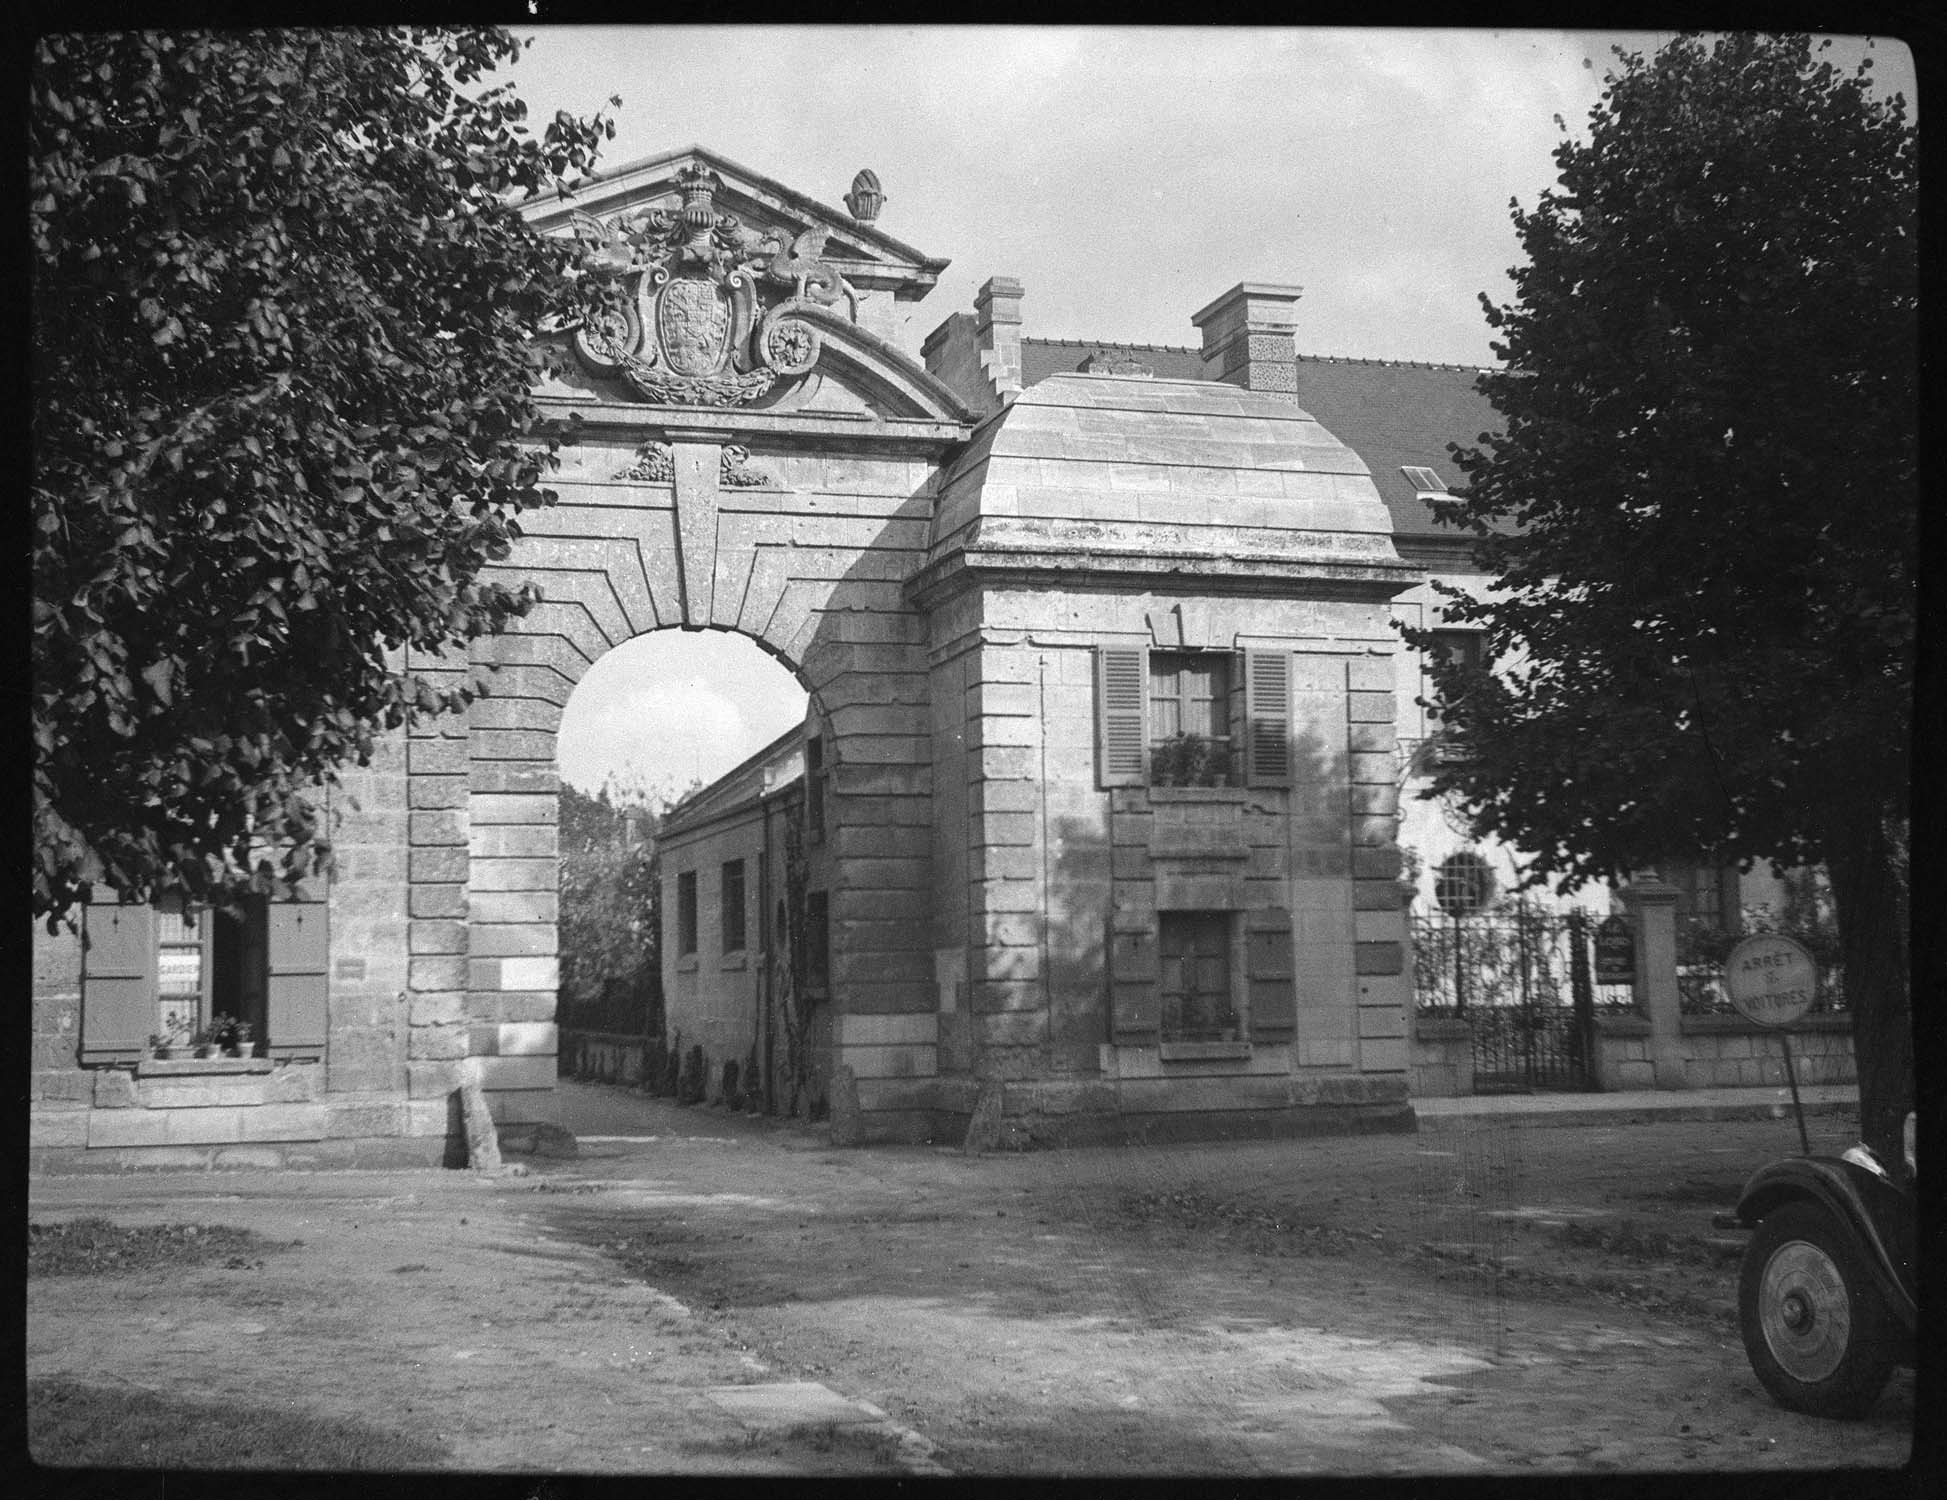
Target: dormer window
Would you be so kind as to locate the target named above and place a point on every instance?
(1427, 483)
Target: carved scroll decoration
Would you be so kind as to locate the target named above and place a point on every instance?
(708, 319)
(655, 463)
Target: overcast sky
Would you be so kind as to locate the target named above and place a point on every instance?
(1126, 176)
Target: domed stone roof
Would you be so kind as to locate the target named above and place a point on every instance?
(1136, 475)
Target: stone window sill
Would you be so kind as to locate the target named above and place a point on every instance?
(686, 964)
(735, 959)
(1204, 1051)
(191, 1067)
(1199, 794)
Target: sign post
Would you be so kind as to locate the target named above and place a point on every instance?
(1615, 951)
(1772, 980)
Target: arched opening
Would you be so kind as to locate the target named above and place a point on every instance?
(673, 709)
(671, 966)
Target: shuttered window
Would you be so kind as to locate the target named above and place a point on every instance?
(1267, 717)
(1197, 1002)
(1269, 971)
(1122, 715)
(1171, 707)
(297, 955)
(119, 1003)
(142, 967)
(1134, 991)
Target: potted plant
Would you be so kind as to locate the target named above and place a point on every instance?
(174, 1034)
(203, 1043)
(230, 1035)
(1190, 760)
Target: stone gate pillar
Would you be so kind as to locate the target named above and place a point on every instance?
(1652, 905)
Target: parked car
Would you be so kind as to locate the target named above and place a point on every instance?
(1826, 1293)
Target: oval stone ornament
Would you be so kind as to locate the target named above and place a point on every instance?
(1771, 979)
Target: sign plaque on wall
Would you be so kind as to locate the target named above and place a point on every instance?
(1615, 951)
(1771, 979)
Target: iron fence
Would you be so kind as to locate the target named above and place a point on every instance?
(1521, 956)
(1700, 990)
(1521, 978)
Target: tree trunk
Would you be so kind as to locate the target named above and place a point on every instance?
(1869, 891)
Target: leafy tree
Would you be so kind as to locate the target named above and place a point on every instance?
(610, 921)
(1702, 511)
(284, 319)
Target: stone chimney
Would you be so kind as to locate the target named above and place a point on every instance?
(980, 356)
(1247, 337)
(997, 329)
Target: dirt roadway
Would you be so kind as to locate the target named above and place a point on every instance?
(1293, 1307)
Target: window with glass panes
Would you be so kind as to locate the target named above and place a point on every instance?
(1198, 1003)
(182, 969)
(1189, 717)
(686, 913)
(1462, 647)
(733, 906)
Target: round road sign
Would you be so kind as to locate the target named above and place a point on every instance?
(1771, 979)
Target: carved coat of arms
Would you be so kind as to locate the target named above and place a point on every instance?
(709, 318)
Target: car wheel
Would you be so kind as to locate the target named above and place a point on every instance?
(1815, 1327)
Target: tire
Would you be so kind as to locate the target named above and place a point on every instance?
(1816, 1329)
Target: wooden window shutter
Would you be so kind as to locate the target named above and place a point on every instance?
(299, 934)
(1267, 717)
(1122, 714)
(1135, 989)
(1270, 974)
(118, 981)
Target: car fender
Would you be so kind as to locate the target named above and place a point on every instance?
(1837, 1187)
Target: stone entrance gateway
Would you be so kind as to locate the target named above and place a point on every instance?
(1101, 711)
(958, 584)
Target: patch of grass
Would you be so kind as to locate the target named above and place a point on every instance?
(97, 1247)
(74, 1425)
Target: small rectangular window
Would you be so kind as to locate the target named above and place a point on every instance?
(1198, 1002)
(1706, 894)
(686, 913)
(1463, 648)
(1189, 719)
(1424, 481)
(733, 906)
(814, 788)
(817, 940)
(182, 967)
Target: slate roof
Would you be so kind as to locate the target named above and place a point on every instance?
(1041, 358)
(1388, 412)
(1392, 414)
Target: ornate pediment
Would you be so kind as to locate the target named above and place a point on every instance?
(738, 292)
(709, 318)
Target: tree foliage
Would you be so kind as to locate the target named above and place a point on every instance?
(284, 319)
(611, 910)
(1702, 511)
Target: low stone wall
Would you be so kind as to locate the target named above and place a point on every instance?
(1724, 1051)
(1442, 1060)
(603, 1056)
(1728, 1051)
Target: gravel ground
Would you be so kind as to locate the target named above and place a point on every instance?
(696, 1290)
